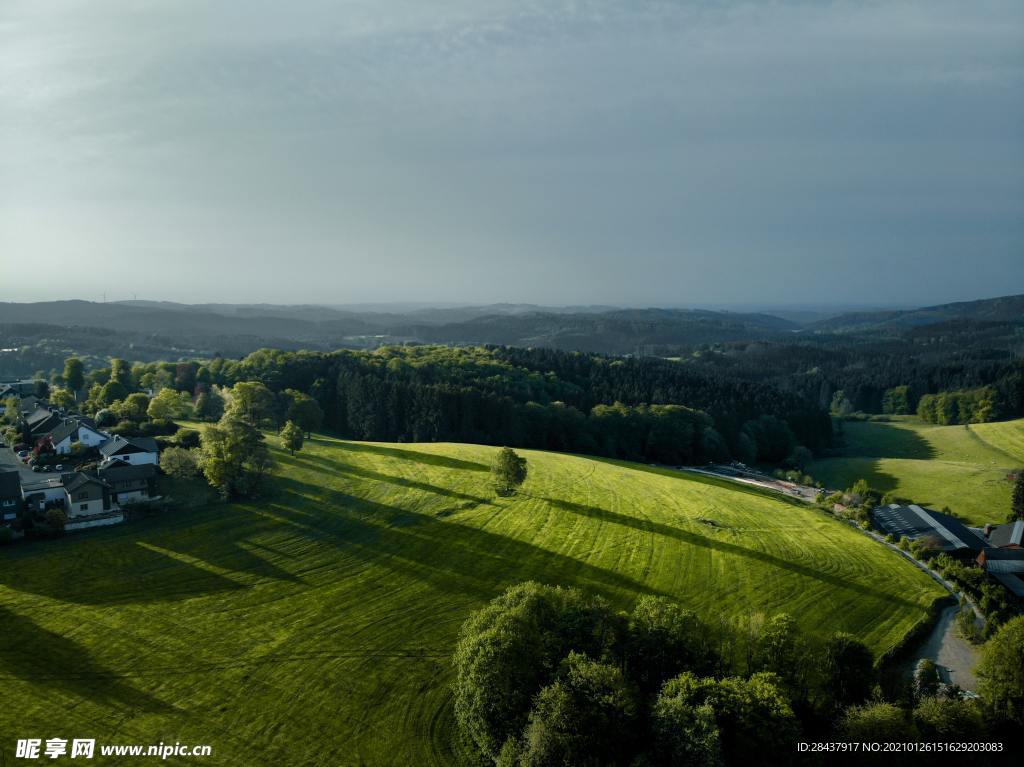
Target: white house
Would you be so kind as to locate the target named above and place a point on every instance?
(43, 493)
(76, 430)
(134, 451)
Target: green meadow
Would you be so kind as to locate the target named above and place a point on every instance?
(962, 467)
(315, 627)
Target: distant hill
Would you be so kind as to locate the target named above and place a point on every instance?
(150, 329)
(999, 310)
(614, 332)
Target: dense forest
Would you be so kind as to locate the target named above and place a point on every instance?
(640, 409)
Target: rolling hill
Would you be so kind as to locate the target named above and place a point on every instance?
(333, 604)
(962, 467)
(1005, 309)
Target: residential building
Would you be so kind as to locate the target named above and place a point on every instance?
(41, 494)
(130, 450)
(41, 422)
(85, 495)
(76, 431)
(130, 484)
(10, 496)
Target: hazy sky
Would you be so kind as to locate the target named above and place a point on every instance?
(615, 151)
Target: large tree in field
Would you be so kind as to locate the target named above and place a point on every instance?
(234, 458)
(74, 374)
(508, 471)
(291, 437)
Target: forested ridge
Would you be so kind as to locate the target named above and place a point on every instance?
(640, 409)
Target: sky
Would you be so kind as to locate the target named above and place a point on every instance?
(618, 152)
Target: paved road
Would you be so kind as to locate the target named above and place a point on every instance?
(954, 656)
(8, 461)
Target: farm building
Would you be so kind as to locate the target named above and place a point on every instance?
(948, 534)
(1005, 536)
(1006, 566)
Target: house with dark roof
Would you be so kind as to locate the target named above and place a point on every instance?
(76, 430)
(28, 405)
(41, 422)
(18, 388)
(86, 495)
(10, 496)
(130, 484)
(130, 450)
(944, 532)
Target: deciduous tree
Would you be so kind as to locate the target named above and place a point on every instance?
(234, 458)
(508, 471)
(291, 437)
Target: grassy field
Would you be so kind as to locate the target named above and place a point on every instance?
(315, 627)
(962, 467)
(1007, 436)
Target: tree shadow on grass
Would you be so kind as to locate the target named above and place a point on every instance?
(877, 439)
(158, 560)
(406, 455)
(31, 653)
(704, 479)
(693, 539)
(334, 467)
(449, 556)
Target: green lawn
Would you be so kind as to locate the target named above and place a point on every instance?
(316, 627)
(962, 467)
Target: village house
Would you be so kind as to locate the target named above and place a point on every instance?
(85, 495)
(131, 450)
(10, 496)
(130, 484)
(41, 494)
(41, 422)
(76, 431)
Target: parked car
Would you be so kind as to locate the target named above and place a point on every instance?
(59, 467)
(23, 454)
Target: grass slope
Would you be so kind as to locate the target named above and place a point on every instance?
(963, 467)
(1007, 436)
(316, 627)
